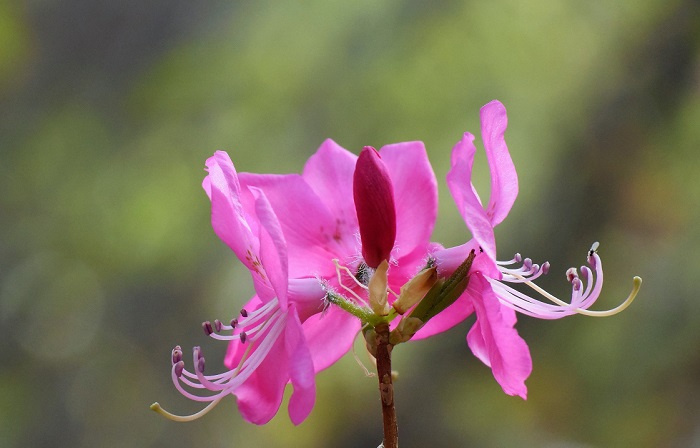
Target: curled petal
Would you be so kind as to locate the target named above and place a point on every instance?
(273, 248)
(228, 218)
(459, 180)
(504, 179)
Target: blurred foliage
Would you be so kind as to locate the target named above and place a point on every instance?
(107, 258)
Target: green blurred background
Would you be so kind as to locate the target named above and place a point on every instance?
(107, 257)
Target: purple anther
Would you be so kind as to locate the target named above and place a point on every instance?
(577, 284)
(591, 261)
(179, 367)
(197, 352)
(217, 325)
(527, 263)
(584, 273)
(177, 355)
(571, 274)
(535, 267)
(518, 258)
(234, 323)
(545, 268)
(244, 313)
(200, 365)
(206, 326)
(243, 337)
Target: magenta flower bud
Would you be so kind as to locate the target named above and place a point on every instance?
(374, 204)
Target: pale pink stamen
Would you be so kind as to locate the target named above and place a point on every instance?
(261, 328)
(581, 297)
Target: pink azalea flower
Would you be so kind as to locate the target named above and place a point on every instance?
(269, 334)
(493, 338)
(319, 221)
(299, 235)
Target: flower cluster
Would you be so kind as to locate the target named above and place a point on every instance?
(346, 245)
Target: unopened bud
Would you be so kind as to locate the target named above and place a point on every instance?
(374, 204)
(415, 289)
(377, 290)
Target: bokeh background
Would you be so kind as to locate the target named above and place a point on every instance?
(107, 257)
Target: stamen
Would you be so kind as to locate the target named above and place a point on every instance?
(269, 322)
(206, 326)
(339, 268)
(177, 354)
(244, 313)
(581, 298)
(178, 368)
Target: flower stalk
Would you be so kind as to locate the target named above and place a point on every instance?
(386, 386)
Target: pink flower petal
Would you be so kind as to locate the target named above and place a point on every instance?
(260, 396)
(448, 318)
(313, 235)
(235, 225)
(329, 173)
(228, 218)
(273, 249)
(415, 195)
(504, 179)
(307, 295)
(468, 203)
(496, 343)
(448, 260)
(330, 335)
(301, 370)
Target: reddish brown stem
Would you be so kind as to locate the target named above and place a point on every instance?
(386, 388)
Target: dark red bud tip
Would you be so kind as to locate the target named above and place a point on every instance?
(374, 204)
